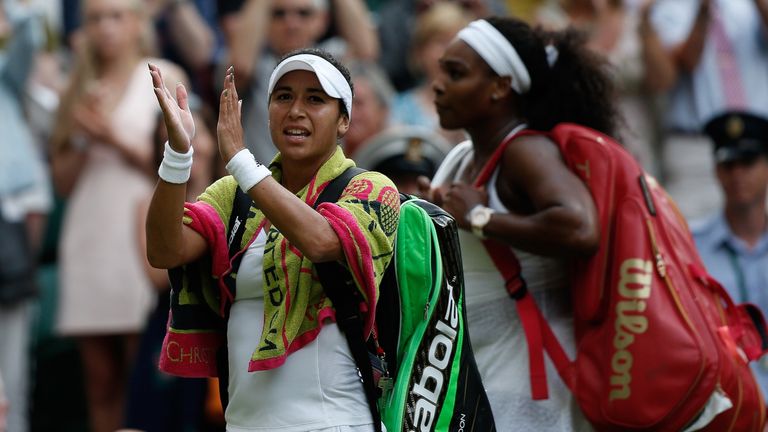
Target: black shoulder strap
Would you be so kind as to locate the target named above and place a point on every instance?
(340, 288)
(241, 205)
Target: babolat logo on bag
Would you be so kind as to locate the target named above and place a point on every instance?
(428, 386)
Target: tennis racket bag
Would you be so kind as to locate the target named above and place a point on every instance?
(418, 368)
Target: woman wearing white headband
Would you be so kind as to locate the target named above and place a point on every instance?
(498, 77)
(284, 373)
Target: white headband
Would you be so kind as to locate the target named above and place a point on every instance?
(331, 79)
(496, 50)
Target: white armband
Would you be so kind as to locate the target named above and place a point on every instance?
(175, 167)
(247, 170)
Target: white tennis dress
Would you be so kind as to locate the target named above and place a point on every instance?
(498, 340)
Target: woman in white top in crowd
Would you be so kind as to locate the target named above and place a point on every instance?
(101, 154)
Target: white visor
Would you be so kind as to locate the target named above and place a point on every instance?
(333, 82)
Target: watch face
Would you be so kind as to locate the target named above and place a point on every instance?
(481, 216)
(478, 218)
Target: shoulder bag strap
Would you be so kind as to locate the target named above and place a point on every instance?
(340, 288)
(538, 333)
(241, 205)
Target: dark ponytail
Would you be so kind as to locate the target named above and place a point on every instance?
(577, 88)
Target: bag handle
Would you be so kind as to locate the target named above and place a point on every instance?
(746, 324)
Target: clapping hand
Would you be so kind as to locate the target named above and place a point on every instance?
(176, 113)
(229, 128)
(89, 116)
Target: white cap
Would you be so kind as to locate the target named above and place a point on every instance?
(333, 82)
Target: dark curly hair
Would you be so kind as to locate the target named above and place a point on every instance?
(577, 88)
(332, 60)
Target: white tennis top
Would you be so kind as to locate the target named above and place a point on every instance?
(316, 389)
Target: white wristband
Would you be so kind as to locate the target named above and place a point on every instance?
(247, 170)
(175, 167)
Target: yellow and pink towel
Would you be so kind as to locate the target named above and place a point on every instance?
(365, 219)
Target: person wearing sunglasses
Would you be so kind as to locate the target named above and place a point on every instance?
(259, 32)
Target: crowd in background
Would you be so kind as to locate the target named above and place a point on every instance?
(82, 313)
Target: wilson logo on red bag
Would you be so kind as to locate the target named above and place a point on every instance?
(634, 287)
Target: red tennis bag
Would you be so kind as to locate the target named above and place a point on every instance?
(656, 336)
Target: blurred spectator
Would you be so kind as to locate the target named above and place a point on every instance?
(56, 400)
(396, 21)
(24, 200)
(660, 71)
(403, 153)
(186, 32)
(612, 28)
(102, 152)
(434, 30)
(734, 241)
(188, 36)
(524, 9)
(719, 51)
(260, 32)
(373, 98)
(187, 26)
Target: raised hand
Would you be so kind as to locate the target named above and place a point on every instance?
(176, 114)
(229, 128)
